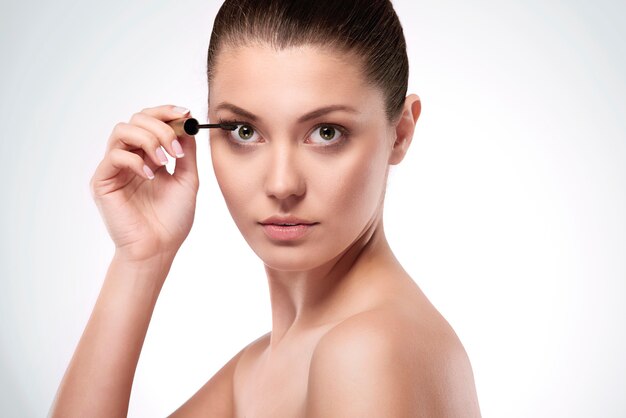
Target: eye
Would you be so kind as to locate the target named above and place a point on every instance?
(327, 133)
(243, 133)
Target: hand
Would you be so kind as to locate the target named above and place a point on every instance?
(146, 218)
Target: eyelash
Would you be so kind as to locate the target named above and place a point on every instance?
(344, 134)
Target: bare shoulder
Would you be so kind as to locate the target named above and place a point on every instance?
(216, 397)
(386, 363)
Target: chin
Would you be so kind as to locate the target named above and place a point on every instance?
(291, 257)
(283, 258)
(306, 254)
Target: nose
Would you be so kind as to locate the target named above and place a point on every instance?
(283, 179)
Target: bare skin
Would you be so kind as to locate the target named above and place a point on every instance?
(352, 334)
(342, 281)
(272, 380)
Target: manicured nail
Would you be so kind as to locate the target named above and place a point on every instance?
(148, 172)
(161, 155)
(177, 148)
(181, 110)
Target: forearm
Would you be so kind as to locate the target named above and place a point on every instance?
(98, 380)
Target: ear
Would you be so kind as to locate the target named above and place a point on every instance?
(405, 127)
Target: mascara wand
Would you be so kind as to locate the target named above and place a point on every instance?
(191, 126)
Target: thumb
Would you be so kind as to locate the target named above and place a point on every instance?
(186, 168)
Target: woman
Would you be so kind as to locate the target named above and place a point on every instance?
(317, 93)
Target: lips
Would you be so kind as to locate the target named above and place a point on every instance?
(286, 221)
(287, 228)
(293, 233)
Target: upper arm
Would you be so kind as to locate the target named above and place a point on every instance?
(215, 398)
(371, 369)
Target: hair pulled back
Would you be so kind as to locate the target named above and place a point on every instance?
(368, 29)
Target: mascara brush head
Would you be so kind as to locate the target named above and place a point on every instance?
(226, 126)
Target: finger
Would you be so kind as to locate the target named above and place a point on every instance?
(151, 164)
(131, 138)
(161, 130)
(166, 113)
(187, 167)
(118, 160)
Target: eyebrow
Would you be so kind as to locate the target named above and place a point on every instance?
(308, 116)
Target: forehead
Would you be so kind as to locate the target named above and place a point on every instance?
(259, 76)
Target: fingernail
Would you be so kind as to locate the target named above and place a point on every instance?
(181, 110)
(161, 155)
(177, 148)
(148, 172)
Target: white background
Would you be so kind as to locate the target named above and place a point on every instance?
(509, 210)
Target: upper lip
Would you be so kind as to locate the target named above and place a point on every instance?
(286, 220)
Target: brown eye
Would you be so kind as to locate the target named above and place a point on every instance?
(327, 133)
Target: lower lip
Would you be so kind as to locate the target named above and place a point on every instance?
(287, 233)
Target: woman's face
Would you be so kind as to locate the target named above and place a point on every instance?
(329, 168)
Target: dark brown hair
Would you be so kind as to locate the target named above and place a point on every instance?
(370, 29)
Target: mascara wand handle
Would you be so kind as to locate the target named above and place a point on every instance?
(183, 126)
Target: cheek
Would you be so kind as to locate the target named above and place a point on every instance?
(235, 180)
(352, 186)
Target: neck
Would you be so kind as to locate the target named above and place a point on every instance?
(304, 299)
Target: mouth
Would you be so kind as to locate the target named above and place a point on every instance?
(287, 231)
(288, 224)
(288, 220)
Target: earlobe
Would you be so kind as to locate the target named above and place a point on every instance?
(405, 128)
